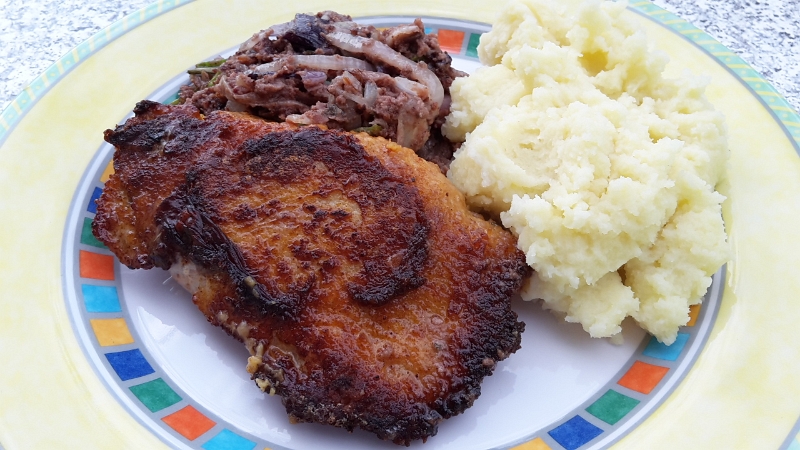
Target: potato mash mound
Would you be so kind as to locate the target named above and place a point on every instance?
(605, 169)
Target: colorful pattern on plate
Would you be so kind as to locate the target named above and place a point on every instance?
(104, 314)
(636, 390)
(103, 322)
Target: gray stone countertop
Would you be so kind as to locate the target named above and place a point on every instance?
(36, 33)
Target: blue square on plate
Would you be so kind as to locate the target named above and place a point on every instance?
(129, 364)
(671, 352)
(228, 440)
(574, 433)
(100, 299)
(92, 206)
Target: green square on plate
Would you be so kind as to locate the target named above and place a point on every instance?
(156, 395)
(612, 407)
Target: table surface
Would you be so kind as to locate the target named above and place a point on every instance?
(36, 33)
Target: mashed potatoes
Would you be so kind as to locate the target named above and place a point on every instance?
(605, 169)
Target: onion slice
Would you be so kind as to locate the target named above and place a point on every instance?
(409, 87)
(266, 68)
(400, 33)
(412, 130)
(255, 39)
(370, 93)
(379, 51)
(315, 62)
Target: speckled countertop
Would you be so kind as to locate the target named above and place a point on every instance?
(35, 33)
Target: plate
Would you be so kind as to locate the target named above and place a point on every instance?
(104, 355)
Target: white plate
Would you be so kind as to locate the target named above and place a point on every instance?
(108, 355)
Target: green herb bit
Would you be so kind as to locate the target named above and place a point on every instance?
(202, 70)
(374, 130)
(214, 63)
(177, 101)
(213, 80)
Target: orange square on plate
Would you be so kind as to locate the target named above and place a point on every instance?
(96, 266)
(189, 422)
(451, 40)
(642, 377)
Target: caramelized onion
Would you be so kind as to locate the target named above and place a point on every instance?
(410, 87)
(255, 39)
(400, 33)
(315, 62)
(370, 93)
(378, 51)
(412, 130)
(252, 99)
